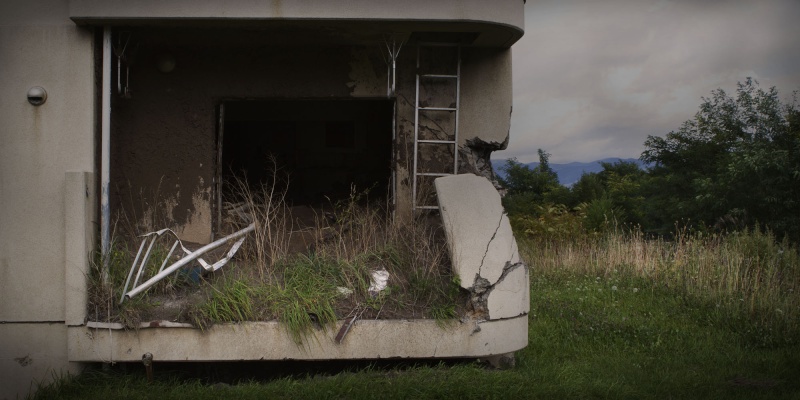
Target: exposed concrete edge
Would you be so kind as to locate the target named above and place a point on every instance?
(507, 13)
(373, 339)
(79, 200)
(144, 325)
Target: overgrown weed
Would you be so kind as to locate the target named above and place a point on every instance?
(306, 274)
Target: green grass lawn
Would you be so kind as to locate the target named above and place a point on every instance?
(618, 336)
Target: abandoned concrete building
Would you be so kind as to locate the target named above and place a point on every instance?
(107, 101)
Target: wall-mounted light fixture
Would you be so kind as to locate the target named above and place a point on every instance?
(37, 95)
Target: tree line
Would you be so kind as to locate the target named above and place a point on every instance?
(735, 165)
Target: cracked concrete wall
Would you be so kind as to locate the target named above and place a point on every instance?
(482, 247)
(486, 96)
(485, 110)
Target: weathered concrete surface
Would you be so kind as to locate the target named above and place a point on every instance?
(164, 138)
(478, 231)
(486, 97)
(32, 353)
(44, 219)
(39, 143)
(371, 339)
(500, 22)
(482, 247)
(510, 297)
(39, 237)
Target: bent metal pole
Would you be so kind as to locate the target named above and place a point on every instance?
(187, 259)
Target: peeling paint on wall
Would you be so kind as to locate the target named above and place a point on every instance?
(198, 224)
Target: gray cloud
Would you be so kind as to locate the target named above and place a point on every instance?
(593, 78)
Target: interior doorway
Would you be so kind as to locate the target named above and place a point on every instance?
(321, 148)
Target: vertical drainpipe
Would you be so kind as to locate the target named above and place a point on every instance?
(105, 155)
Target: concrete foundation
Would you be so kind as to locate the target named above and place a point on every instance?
(270, 341)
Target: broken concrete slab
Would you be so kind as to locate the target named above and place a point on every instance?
(478, 231)
(510, 297)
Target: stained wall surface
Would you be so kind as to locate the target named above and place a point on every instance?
(164, 137)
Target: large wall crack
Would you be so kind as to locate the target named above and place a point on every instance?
(482, 289)
(475, 157)
(489, 244)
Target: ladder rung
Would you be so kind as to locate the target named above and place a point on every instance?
(432, 174)
(438, 108)
(436, 141)
(417, 109)
(439, 76)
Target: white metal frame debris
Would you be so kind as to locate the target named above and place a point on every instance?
(150, 240)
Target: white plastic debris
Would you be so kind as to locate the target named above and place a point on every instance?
(378, 282)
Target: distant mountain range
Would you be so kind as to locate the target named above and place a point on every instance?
(569, 173)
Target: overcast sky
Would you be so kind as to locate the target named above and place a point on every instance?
(593, 78)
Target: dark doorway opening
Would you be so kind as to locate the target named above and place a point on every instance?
(321, 148)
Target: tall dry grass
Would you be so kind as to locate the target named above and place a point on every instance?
(295, 269)
(749, 275)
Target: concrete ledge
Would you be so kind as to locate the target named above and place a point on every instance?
(505, 12)
(372, 339)
(501, 22)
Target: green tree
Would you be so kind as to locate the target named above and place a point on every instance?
(521, 179)
(588, 188)
(735, 164)
(527, 187)
(611, 195)
(623, 183)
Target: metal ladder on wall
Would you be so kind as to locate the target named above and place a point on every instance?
(423, 78)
